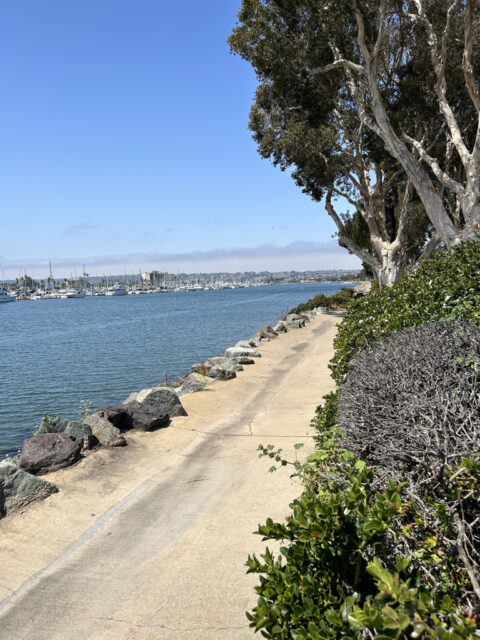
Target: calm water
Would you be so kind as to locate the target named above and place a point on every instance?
(57, 353)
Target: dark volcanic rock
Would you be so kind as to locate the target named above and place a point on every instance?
(118, 416)
(145, 417)
(163, 399)
(19, 488)
(49, 452)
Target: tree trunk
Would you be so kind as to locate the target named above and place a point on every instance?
(419, 177)
(471, 207)
(390, 266)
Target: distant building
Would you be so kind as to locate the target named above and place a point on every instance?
(154, 277)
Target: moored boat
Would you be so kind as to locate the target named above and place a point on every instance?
(116, 291)
(5, 296)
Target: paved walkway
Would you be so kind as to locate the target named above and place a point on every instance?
(150, 542)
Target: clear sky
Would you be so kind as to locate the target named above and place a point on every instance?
(124, 145)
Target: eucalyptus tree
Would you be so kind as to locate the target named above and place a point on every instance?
(313, 126)
(333, 157)
(368, 52)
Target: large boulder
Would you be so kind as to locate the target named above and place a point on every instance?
(163, 399)
(234, 352)
(244, 360)
(144, 417)
(294, 324)
(248, 344)
(230, 364)
(280, 327)
(19, 488)
(49, 452)
(78, 430)
(104, 431)
(219, 373)
(214, 362)
(295, 321)
(192, 383)
(118, 416)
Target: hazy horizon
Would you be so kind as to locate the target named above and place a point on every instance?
(134, 150)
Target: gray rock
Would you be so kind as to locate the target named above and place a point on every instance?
(215, 361)
(162, 398)
(230, 364)
(247, 344)
(131, 398)
(144, 417)
(244, 360)
(78, 430)
(293, 316)
(104, 431)
(235, 352)
(294, 324)
(192, 383)
(219, 373)
(266, 333)
(49, 452)
(280, 327)
(19, 488)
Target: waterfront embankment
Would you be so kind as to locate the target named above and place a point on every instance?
(150, 541)
(59, 354)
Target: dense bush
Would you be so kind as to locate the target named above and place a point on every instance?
(446, 286)
(344, 571)
(339, 300)
(411, 404)
(365, 556)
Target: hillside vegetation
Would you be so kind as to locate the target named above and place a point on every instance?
(384, 541)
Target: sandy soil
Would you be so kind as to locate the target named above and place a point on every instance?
(150, 541)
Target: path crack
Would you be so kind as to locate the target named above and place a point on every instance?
(163, 626)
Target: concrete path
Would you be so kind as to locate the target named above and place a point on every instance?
(150, 542)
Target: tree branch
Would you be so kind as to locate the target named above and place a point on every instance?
(381, 31)
(472, 86)
(340, 63)
(444, 178)
(363, 254)
(460, 543)
(429, 248)
(439, 63)
(403, 218)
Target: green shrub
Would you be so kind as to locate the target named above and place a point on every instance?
(339, 300)
(344, 571)
(446, 286)
(369, 559)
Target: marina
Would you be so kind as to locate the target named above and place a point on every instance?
(58, 355)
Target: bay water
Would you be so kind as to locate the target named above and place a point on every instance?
(57, 355)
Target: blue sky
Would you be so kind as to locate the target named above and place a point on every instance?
(124, 145)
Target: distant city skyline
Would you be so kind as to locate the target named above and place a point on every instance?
(297, 256)
(134, 151)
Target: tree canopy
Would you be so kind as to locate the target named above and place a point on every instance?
(376, 102)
